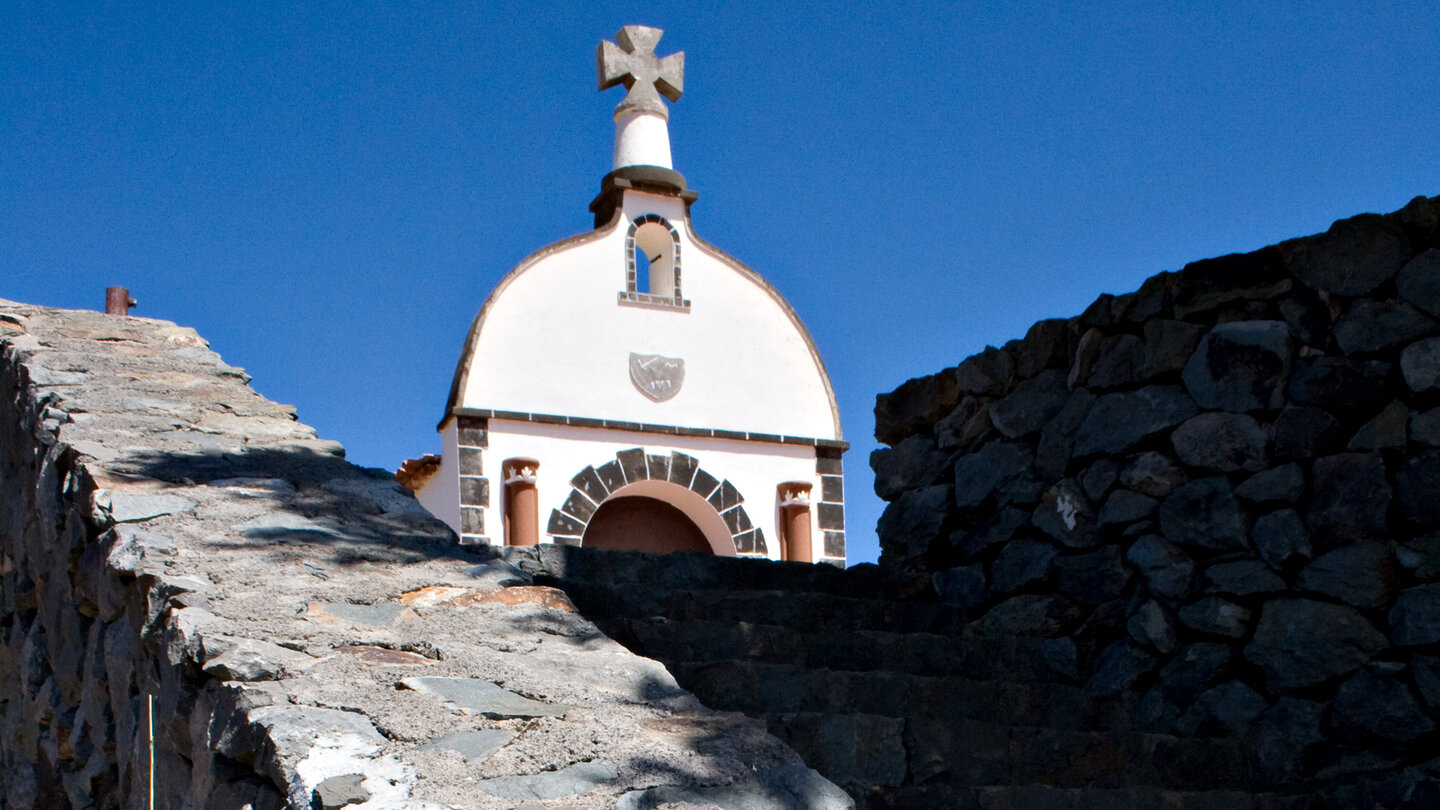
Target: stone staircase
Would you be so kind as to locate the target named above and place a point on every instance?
(900, 702)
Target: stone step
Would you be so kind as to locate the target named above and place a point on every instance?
(1048, 797)
(626, 569)
(941, 751)
(760, 688)
(1007, 658)
(784, 608)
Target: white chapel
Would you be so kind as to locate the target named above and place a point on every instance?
(633, 387)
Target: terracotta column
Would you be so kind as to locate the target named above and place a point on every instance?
(118, 301)
(522, 503)
(795, 522)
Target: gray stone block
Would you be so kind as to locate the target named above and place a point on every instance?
(1222, 442)
(482, 697)
(1033, 403)
(1364, 574)
(1301, 643)
(1152, 474)
(1117, 422)
(1203, 514)
(1415, 619)
(1240, 366)
(1370, 708)
(1350, 497)
(1282, 485)
(1354, 257)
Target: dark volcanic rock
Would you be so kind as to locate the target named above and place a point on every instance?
(1350, 496)
(1030, 615)
(1020, 563)
(987, 374)
(914, 406)
(1426, 671)
(1240, 366)
(1420, 363)
(1306, 432)
(1354, 257)
(1124, 507)
(1092, 578)
(1215, 616)
(1211, 283)
(1222, 442)
(1340, 385)
(1167, 570)
(1419, 281)
(1417, 486)
(1421, 555)
(1033, 403)
(1057, 439)
(1226, 710)
(1425, 427)
(1065, 514)
(1281, 537)
(963, 586)
(1194, 668)
(1301, 642)
(1119, 362)
(1098, 478)
(1370, 326)
(1281, 485)
(911, 523)
(950, 430)
(1000, 528)
(1415, 619)
(1152, 474)
(1374, 708)
(1046, 346)
(1203, 513)
(1363, 574)
(1151, 625)
(1242, 578)
(1118, 668)
(914, 462)
(1283, 735)
(1387, 429)
(1169, 344)
(1000, 471)
(1117, 422)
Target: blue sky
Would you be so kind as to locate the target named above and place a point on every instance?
(327, 192)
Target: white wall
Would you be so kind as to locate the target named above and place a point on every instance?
(441, 492)
(754, 468)
(554, 340)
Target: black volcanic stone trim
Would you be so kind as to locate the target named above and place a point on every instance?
(659, 467)
(578, 506)
(563, 524)
(737, 520)
(827, 449)
(638, 299)
(835, 544)
(472, 520)
(588, 482)
(474, 491)
(831, 516)
(632, 462)
(827, 466)
(566, 541)
(611, 475)
(682, 469)
(725, 496)
(745, 543)
(760, 547)
(704, 484)
(473, 432)
(471, 461)
(832, 489)
(474, 540)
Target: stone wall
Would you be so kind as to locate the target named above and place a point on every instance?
(1221, 491)
(201, 599)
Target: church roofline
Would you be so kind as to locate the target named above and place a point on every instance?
(642, 427)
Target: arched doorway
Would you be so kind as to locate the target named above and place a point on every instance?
(640, 523)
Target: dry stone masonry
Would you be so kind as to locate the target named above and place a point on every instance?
(200, 598)
(1219, 494)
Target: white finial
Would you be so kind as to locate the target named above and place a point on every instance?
(641, 135)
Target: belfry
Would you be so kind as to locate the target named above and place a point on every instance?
(633, 387)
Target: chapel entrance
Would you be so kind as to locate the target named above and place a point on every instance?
(639, 523)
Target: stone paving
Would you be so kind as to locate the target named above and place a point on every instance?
(179, 553)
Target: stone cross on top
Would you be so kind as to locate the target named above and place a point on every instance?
(634, 64)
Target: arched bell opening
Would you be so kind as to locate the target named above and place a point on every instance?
(660, 518)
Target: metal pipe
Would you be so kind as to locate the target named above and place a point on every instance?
(118, 301)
